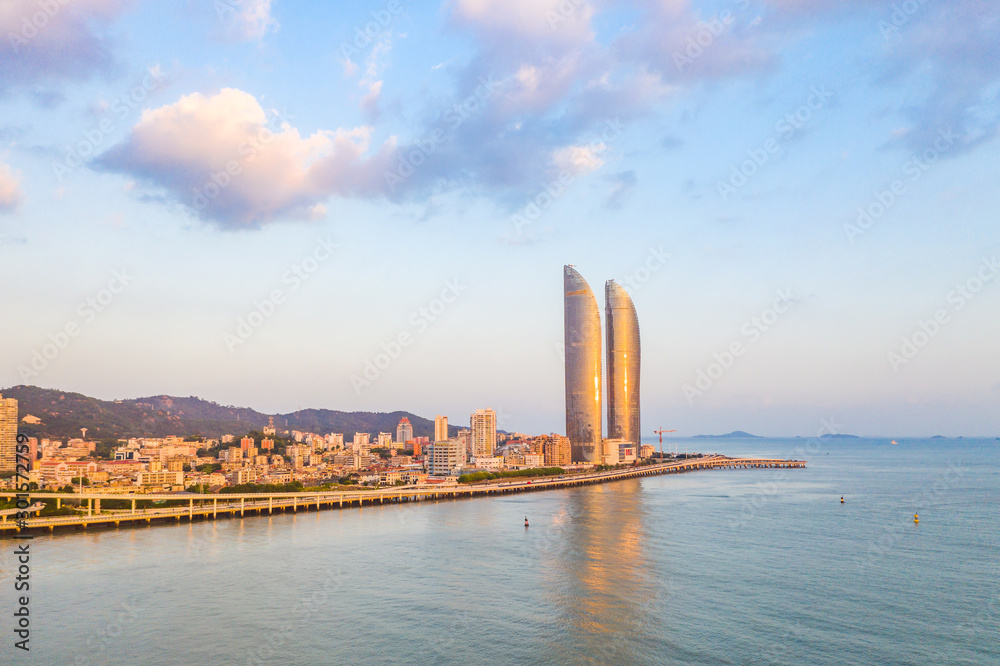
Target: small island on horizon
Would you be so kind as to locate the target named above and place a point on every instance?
(736, 434)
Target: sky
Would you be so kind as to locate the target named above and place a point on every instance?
(284, 204)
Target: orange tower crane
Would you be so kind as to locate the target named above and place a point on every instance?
(660, 433)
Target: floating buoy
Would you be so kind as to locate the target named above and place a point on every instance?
(915, 518)
(525, 521)
(841, 499)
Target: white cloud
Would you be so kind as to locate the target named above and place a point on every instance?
(556, 20)
(246, 20)
(579, 160)
(10, 189)
(369, 102)
(224, 157)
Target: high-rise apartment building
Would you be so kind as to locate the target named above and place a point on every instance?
(385, 440)
(404, 431)
(8, 434)
(440, 428)
(484, 433)
(464, 438)
(582, 338)
(444, 458)
(622, 325)
(360, 444)
(558, 451)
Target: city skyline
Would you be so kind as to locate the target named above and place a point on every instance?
(182, 203)
(282, 309)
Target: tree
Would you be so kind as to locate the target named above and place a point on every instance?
(106, 448)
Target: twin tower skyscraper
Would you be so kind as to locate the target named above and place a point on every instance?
(582, 332)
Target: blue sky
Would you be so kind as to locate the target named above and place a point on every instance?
(186, 165)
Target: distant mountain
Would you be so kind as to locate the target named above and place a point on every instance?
(832, 436)
(736, 434)
(61, 415)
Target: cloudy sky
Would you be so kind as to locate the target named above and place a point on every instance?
(367, 205)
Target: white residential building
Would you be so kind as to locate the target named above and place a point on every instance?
(444, 458)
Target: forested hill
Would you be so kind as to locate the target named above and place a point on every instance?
(62, 414)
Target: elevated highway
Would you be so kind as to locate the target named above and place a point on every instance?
(233, 504)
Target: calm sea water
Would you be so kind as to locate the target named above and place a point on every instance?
(714, 567)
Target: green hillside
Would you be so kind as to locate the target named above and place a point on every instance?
(63, 414)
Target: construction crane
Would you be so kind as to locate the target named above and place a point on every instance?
(660, 433)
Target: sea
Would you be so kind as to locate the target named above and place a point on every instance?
(745, 566)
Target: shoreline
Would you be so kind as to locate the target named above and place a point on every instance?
(209, 508)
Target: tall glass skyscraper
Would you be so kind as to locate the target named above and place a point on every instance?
(582, 337)
(623, 364)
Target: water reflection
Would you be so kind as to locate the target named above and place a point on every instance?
(601, 582)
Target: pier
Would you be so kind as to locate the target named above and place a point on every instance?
(223, 505)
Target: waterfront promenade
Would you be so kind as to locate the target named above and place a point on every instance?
(212, 506)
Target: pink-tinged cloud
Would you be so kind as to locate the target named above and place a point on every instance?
(10, 189)
(684, 45)
(234, 164)
(246, 20)
(553, 21)
(42, 42)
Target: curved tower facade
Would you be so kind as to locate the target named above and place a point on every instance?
(582, 337)
(623, 364)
